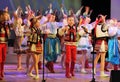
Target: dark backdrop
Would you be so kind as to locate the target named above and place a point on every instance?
(99, 7)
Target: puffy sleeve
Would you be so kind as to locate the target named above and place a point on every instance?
(112, 31)
(81, 31)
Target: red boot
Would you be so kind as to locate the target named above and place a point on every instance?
(1, 71)
(87, 64)
(67, 70)
(52, 67)
(106, 64)
(72, 68)
(48, 66)
(115, 67)
(39, 65)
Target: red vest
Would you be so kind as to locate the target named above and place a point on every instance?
(4, 33)
(70, 34)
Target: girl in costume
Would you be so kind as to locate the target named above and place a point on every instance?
(35, 46)
(101, 47)
(113, 47)
(19, 31)
(84, 44)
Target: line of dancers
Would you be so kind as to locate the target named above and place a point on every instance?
(57, 33)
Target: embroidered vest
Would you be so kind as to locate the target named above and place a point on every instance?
(35, 36)
(4, 33)
(70, 34)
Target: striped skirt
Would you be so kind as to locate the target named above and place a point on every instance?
(101, 46)
(36, 48)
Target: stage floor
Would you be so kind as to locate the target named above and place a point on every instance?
(12, 75)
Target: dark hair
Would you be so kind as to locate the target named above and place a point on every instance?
(33, 21)
(99, 16)
(70, 16)
(2, 12)
(39, 12)
(53, 14)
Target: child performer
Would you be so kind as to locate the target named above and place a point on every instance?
(70, 46)
(101, 34)
(35, 46)
(52, 42)
(84, 44)
(85, 13)
(4, 33)
(113, 47)
(19, 31)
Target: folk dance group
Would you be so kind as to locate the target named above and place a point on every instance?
(70, 34)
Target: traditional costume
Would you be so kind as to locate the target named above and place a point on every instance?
(4, 34)
(100, 43)
(52, 44)
(113, 47)
(70, 38)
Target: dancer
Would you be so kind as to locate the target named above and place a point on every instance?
(113, 47)
(4, 34)
(49, 10)
(84, 14)
(70, 46)
(19, 31)
(101, 34)
(52, 42)
(84, 44)
(35, 46)
(62, 12)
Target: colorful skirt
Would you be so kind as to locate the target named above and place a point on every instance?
(52, 49)
(36, 48)
(84, 43)
(101, 45)
(17, 45)
(113, 51)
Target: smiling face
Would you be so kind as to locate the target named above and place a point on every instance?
(70, 21)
